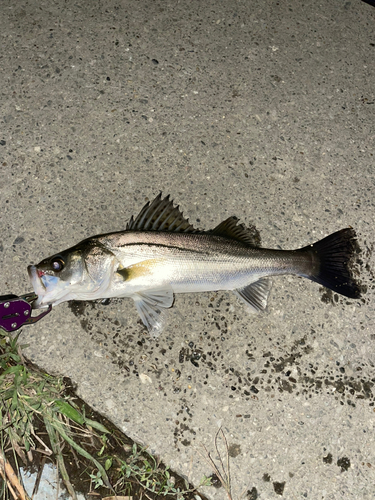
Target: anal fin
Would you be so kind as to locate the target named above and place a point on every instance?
(151, 306)
(256, 294)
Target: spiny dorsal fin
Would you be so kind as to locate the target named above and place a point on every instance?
(161, 215)
(230, 229)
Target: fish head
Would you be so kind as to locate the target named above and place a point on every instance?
(79, 273)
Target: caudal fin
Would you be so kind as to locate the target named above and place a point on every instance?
(335, 255)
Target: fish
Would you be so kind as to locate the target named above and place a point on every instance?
(161, 254)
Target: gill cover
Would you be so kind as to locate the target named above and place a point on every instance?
(82, 272)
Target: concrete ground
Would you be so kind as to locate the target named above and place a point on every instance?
(264, 110)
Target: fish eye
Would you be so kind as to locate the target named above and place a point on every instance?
(57, 264)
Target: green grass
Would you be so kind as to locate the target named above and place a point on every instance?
(41, 420)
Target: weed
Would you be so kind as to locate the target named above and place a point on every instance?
(222, 471)
(40, 421)
(151, 475)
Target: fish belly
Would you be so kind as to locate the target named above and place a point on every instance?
(189, 275)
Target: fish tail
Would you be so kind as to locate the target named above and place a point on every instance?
(334, 257)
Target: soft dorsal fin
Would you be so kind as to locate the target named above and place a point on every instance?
(230, 228)
(161, 215)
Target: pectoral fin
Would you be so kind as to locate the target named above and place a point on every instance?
(143, 268)
(256, 294)
(151, 306)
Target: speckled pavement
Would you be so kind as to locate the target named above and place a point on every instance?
(264, 110)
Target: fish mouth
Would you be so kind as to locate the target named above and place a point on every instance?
(49, 289)
(35, 275)
(39, 288)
